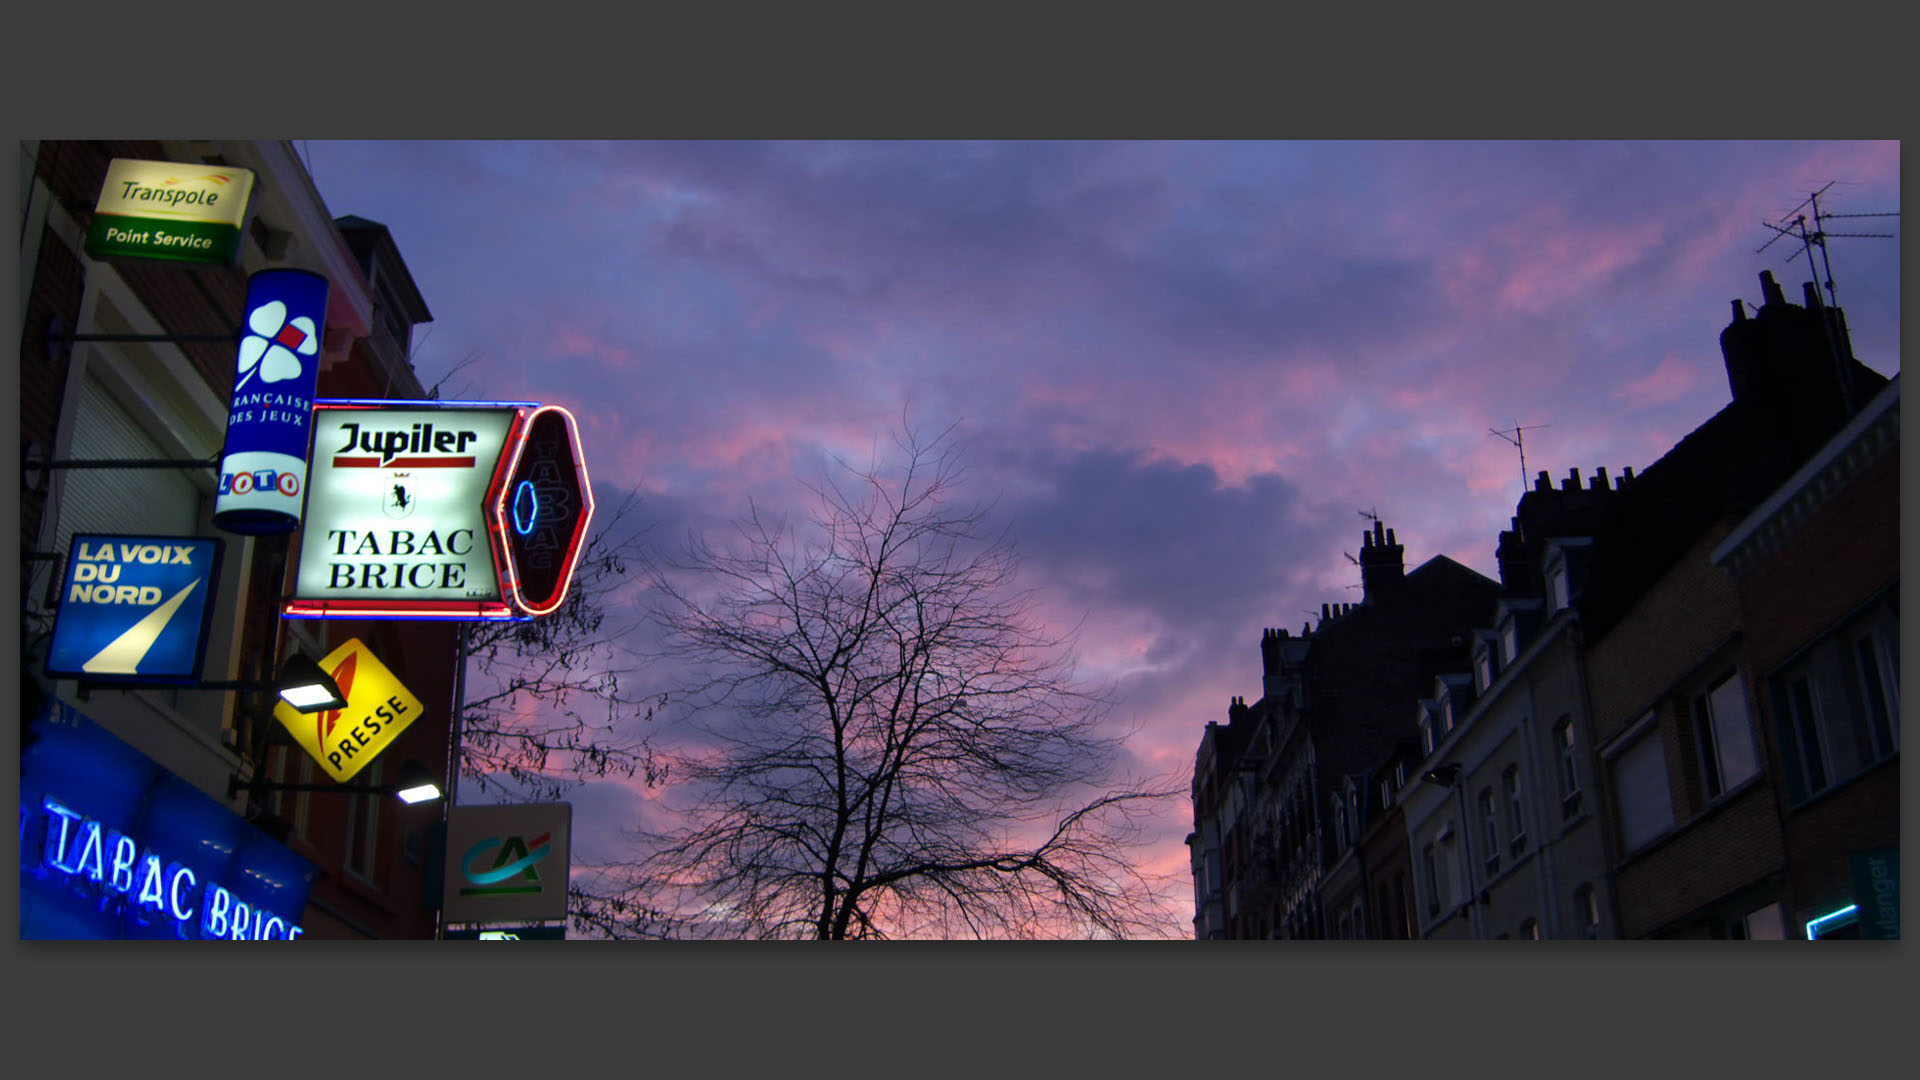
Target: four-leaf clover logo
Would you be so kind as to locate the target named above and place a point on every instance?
(275, 345)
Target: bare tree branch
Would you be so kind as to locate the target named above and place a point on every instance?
(548, 702)
(892, 745)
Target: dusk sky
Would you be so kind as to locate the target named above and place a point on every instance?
(1181, 371)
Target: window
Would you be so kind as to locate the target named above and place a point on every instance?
(1430, 866)
(1386, 794)
(1766, 924)
(1340, 823)
(1839, 707)
(1557, 594)
(1446, 713)
(1587, 907)
(1645, 803)
(1509, 642)
(1427, 739)
(363, 827)
(1724, 736)
(1516, 814)
(1569, 771)
(1491, 828)
(1530, 930)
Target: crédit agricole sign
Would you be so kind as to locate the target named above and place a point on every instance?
(397, 517)
(167, 210)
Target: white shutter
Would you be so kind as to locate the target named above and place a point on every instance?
(157, 502)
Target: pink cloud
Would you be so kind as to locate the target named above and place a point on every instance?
(1667, 382)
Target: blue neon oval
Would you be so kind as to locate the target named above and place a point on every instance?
(524, 494)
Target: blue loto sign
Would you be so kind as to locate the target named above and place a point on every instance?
(134, 608)
(263, 467)
(112, 846)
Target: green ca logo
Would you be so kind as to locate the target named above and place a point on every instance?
(516, 857)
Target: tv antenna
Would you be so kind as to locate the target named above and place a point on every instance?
(1817, 237)
(1517, 436)
(1794, 223)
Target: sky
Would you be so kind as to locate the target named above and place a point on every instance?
(1183, 373)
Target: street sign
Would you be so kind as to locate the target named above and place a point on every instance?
(397, 521)
(170, 211)
(134, 607)
(544, 509)
(507, 864)
(456, 510)
(378, 709)
(1876, 890)
(263, 465)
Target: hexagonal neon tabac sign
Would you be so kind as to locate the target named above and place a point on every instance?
(542, 511)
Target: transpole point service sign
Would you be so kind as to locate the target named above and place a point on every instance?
(263, 467)
(167, 210)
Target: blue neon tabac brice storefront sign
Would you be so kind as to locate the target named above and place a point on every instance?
(113, 846)
(134, 608)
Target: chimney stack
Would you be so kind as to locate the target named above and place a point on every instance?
(1382, 564)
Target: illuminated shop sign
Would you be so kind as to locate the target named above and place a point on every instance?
(166, 210)
(134, 607)
(557, 932)
(463, 510)
(124, 872)
(379, 707)
(544, 510)
(507, 863)
(114, 846)
(263, 468)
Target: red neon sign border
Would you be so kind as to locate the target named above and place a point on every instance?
(510, 579)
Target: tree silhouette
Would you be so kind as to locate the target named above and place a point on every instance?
(889, 745)
(544, 703)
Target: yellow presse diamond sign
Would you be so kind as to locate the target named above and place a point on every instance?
(378, 709)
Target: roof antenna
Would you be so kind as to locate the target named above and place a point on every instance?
(1516, 435)
(1809, 240)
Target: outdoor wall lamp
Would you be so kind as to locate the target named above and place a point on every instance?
(415, 785)
(303, 684)
(1444, 775)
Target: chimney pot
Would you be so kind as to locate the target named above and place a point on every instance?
(1543, 482)
(1771, 289)
(1739, 311)
(1811, 293)
(1572, 482)
(1626, 474)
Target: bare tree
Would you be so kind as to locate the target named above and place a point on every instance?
(546, 703)
(892, 745)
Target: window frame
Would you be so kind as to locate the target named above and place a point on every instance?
(1565, 743)
(1516, 809)
(1710, 738)
(1490, 826)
